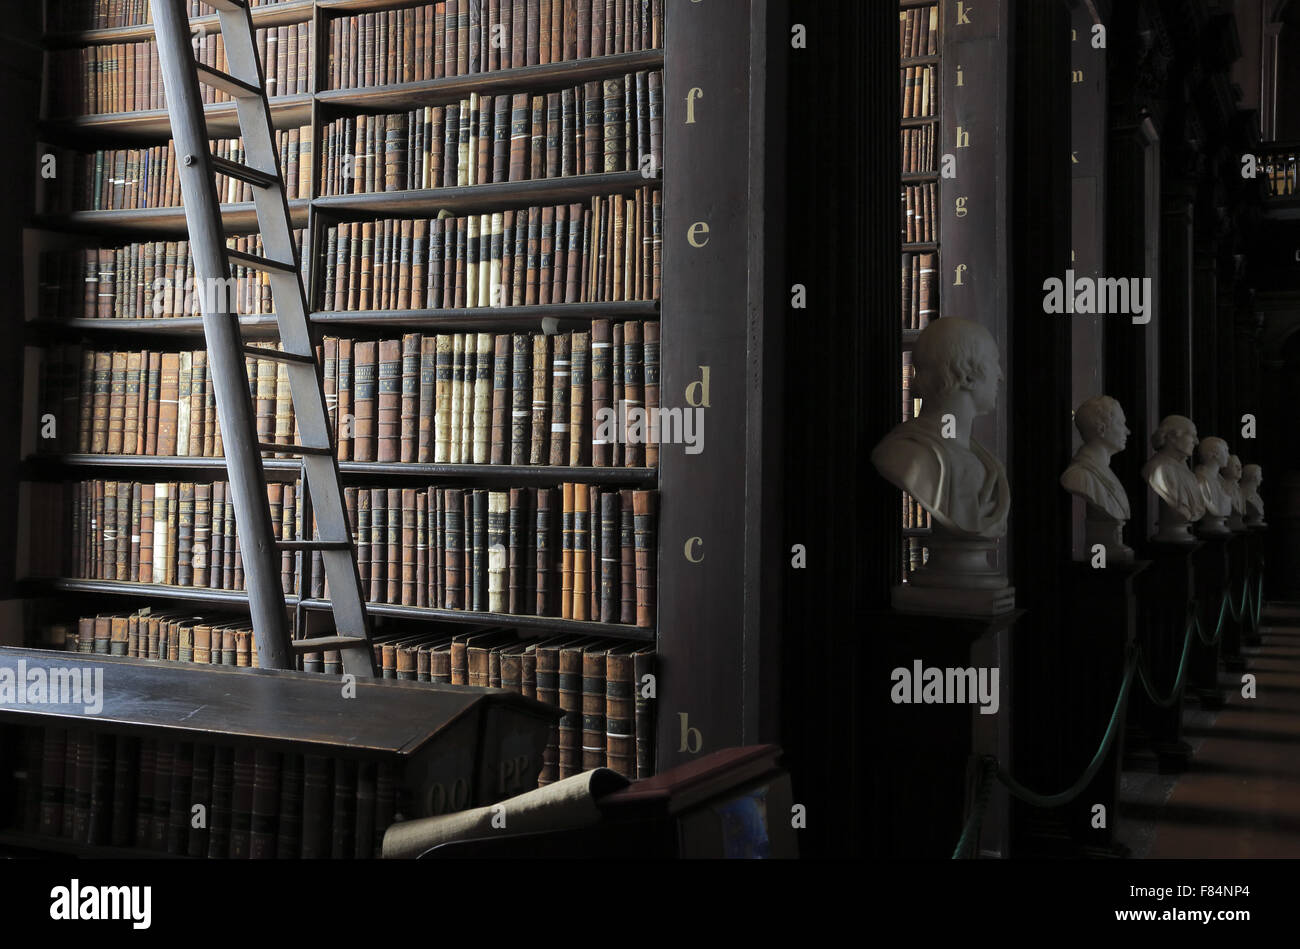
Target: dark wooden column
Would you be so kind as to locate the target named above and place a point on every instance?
(1038, 391)
(842, 370)
(1174, 321)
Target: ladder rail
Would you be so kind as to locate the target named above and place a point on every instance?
(227, 352)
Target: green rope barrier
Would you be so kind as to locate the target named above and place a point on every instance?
(1178, 679)
(988, 769)
(1112, 730)
(1133, 669)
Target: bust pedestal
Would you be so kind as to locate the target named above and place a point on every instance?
(958, 578)
(1164, 590)
(1100, 528)
(1235, 631)
(927, 750)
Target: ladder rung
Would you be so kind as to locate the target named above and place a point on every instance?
(276, 355)
(226, 82)
(294, 449)
(241, 172)
(322, 643)
(259, 263)
(229, 6)
(314, 544)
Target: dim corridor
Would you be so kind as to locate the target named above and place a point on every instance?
(1240, 796)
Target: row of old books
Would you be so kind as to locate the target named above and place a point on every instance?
(126, 178)
(147, 280)
(127, 77)
(173, 533)
(608, 251)
(920, 213)
(918, 32)
(920, 290)
(610, 126)
(911, 398)
(919, 88)
(97, 788)
(69, 15)
(919, 148)
(574, 398)
(915, 517)
(915, 554)
(462, 37)
(575, 552)
(610, 711)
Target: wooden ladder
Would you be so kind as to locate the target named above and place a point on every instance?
(261, 553)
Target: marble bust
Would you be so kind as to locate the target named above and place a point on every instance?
(1251, 477)
(1232, 484)
(1213, 456)
(960, 483)
(1182, 501)
(1102, 427)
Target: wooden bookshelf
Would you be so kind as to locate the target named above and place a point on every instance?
(710, 633)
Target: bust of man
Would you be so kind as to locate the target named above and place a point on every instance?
(1251, 478)
(1101, 424)
(933, 457)
(1231, 474)
(1213, 457)
(1167, 473)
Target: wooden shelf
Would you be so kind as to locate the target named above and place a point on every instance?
(509, 316)
(154, 125)
(412, 95)
(920, 248)
(918, 120)
(260, 327)
(905, 61)
(428, 202)
(50, 844)
(917, 532)
(237, 218)
(607, 630)
(909, 177)
(275, 14)
(42, 587)
(497, 474)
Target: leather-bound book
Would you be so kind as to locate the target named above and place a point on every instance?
(116, 403)
(185, 535)
(476, 549)
(288, 835)
(345, 406)
(407, 550)
(651, 364)
(521, 389)
(125, 767)
(540, 449)
(426, 399)
(178, 812)
(265, 807)
(378, 544)
(655, 105)
(98, 770)
(389, 400)
(644, 518)
(643, 665)
(202, 534)
(53, 755)
(560, 384)
(594, 548)
(366, 369)
(410, 398)
(365, 808)
(610, 558)
(482, 398)
(130, 404)
(344, 810)
(601, 392)
(570, 696)
(517, 538)
(577, 451)
(581, 554)
(393, 548)
(593, 706)
(567, 523)
(544, 541)
(633, 387)
(499, 454)
(160, 819)
(496, 554)
(317, 807)
(455, 549)
(613, 130)
(548, 691)
(241, 803)
(627, 559)
(457, 397)
(532, 255)
(617, 449)
(101, 389)
(198, 396)
(593, 129)
(620, 711)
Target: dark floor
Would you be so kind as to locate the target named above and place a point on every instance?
(1241, 795)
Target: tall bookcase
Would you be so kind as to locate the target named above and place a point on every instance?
(921, 143)
(715, 639)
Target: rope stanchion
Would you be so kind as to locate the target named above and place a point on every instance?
(1133, 670)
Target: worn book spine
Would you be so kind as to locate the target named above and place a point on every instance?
(566, 549)
(482, 397)
(521, 387)
(620, 711)
(498, 517)
(548, 691)
(601, 393)
(581, 552)
(593, 707)
(544, 540)
(501, 395)
(650, 355)
(570, 701)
